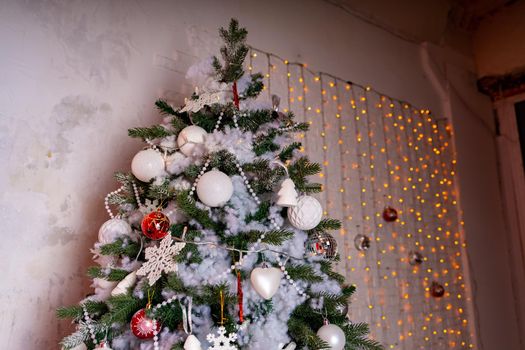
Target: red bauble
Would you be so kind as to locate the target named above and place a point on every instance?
(389, 214)
(155, 225)
(142, 325)
(437, 290)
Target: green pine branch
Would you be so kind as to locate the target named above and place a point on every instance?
(233, 53)
(287, 152)
(76, 312)
(121, 308)
(255, 119)
(326, 225)
(114, 275)
(153, 132)
(273, 237)
(254, 88)
(121, 246)
(261, 214)
(164, 107)
(327, 268)
(187, 205)
(303, 272)
(356, 337)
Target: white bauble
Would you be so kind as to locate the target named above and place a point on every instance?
(214, 188)
(147, 164)
(112, 229)
(306, 214)
(124, 285)
(192, 343)
(333, 335)
(80, 346)
(189, 137)
(266, 281)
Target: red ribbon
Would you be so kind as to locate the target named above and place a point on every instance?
(235, 95)
(240, 297)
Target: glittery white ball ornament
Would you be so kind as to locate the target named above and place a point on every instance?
(306, 214)
(214, 188)
(147, 164)
(189, 137)
(112, 229)
(333, 335)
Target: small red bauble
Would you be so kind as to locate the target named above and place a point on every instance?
(155, 225)
(142, 325)
(389, 214)
(437, 290)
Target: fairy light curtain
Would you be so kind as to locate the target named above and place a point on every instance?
(379, 152)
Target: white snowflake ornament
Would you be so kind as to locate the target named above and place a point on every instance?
(204, 99)
(160, 259)
(149, 206)
(222, 342)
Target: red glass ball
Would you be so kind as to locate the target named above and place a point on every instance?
(390, 214)
(155, 225)
(437, 290)
(142, 325)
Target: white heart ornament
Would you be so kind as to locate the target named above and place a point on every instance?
(266, 281)
(192, 343)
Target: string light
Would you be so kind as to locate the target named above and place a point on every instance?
(403, 159)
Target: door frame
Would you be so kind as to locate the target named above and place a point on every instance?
(512, 183)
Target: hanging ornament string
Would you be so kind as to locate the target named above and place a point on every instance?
(186, 306)
(240, 297)
(221, 322)
(235, 94)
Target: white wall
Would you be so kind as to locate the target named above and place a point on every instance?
(75, 75)
(498, 42)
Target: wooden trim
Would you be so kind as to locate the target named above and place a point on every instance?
(502, 86)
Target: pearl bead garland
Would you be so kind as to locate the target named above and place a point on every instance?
(273, 222)
(155, 336)
(106, 201)
(137, 196)
(155, 333)
(90, 327)
(153, 146)
(288, 128)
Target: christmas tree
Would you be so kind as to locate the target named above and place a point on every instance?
(218, 242)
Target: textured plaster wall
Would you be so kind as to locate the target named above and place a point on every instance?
(74, 75)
